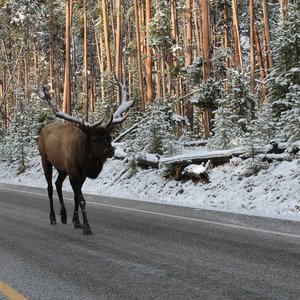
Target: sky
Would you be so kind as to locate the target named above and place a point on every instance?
(249, 186)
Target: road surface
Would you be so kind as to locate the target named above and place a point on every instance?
(141, 250)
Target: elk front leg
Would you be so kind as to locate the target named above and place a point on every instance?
(48, 175)
(78, 197)
(58, 183)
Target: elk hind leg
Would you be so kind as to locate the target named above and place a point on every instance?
(58, 183)
(76, 221)
(47, 166)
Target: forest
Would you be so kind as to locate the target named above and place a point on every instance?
(227, 72)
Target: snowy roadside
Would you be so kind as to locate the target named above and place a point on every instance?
(271, 190)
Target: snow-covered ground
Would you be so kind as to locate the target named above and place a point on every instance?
(241, 186)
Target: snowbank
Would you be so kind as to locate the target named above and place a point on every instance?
(264, 189)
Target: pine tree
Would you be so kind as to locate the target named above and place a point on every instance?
(291, 118)
(155, 133)
(20, 144)
(223, 131)
(285, 75)
(235, 114)
(264, 127)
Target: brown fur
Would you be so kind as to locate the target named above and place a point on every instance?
(77, 152)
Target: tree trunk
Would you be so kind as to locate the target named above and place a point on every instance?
(85, 71)
(283, 4)
(197, 28)
(207, 111)
(226, 41)
(252, 58)
(139, 56)
(267, 32)
(149, 55)
(67, 85)
(106, 37)
(175, 35)
(260, 65)
(205, 39)
(118, 44)
(188, 56)
(26, 77)
(238, 50)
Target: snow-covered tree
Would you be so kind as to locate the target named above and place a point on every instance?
(20, 144)
(223, 131)
(291, 118)
(284, 78)
(155, 133)
(235, 113)
(264, 127)
(160, 27)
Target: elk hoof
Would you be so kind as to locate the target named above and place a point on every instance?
(86, 229)
(52, 219)
(63, 217)
(77, 224)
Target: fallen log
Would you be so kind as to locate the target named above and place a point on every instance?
(176, 164)
(215, 157)
(148, 160)
(197, 172)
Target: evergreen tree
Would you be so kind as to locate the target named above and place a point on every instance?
(20, 144)
(223, 131)
(159, 28)
(235, 114)
(291, 118)
(264, 127)
(155, 133)
(284, 78)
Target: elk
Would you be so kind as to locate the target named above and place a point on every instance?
(76, 149)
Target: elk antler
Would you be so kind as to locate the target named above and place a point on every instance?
(117, 117)
(44, 94)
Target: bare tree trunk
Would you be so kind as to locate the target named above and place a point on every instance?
(118, 43)
(226, 40)
(26, 77)
(67, 85)
(252, 58)
(207, 111)
(188, 56)
(149, 55)
(267, 32)
(37, 63)
(106, 37)
(100, 61)
(205, 39)
(138, 49)
(92, 84)
(260, 65)
(175, 35)
(52, 61)
(189, 36)
(265, 50)
(157, 71)
(85, 71)
(197, 28)
(283, 4)
(238, 50)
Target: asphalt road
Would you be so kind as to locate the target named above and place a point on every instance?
(144, 251)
